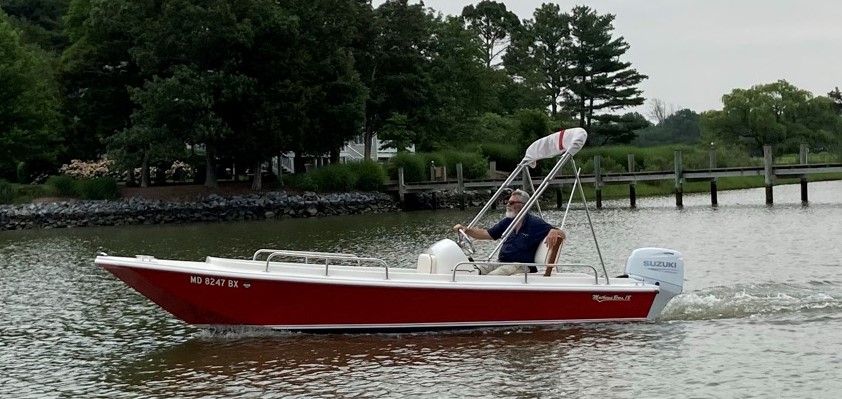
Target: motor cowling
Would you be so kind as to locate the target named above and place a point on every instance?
(659, 266)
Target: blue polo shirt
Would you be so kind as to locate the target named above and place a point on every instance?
(521, 245)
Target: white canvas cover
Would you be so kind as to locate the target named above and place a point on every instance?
(568, 140)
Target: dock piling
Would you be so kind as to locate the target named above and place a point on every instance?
(768, 173)
(679, 181)
(632, 184)
(714, 201)
(401, 188)
(460, 186)
(803, 156)
(597, 161)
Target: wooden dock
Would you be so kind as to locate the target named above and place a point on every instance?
(679, 175)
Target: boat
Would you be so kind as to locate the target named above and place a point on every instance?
(314, 291)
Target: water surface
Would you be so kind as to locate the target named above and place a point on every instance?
(759, 318)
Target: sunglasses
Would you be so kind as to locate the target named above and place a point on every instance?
(513, 202)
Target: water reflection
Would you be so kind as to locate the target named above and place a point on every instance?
(444, 363)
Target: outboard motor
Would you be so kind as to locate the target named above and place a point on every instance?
(661, 267)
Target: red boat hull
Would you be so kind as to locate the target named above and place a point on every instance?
(295, 305)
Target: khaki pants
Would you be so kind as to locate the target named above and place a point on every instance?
(502, 270)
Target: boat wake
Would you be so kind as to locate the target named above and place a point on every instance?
(814, 300)
(240, 332)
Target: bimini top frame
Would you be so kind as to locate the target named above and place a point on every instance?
(565, 143)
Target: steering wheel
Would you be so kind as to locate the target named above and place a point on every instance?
(462, 239)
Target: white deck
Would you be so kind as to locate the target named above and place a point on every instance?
(367, 275)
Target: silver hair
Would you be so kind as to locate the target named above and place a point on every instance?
(524, 196)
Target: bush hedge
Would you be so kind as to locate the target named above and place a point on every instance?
(370, 175)
(62, 186)
(363, 176)
(101, 188)
(7, 193)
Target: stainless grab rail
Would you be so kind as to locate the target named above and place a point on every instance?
(526, 265)
(590, 222)
(314, 253)
(528, 205)
(503, 187)
(327, 257)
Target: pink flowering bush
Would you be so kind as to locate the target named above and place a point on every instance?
(180, 171)
(87, 169)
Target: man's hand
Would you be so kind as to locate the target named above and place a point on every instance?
(555, 236)
(473, 232)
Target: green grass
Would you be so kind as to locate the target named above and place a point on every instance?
(794, 159)
(25, 193)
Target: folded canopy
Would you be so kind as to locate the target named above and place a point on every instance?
(569, 140)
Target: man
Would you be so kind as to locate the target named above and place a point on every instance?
(521, 245)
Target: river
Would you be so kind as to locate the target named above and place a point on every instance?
(760, 316)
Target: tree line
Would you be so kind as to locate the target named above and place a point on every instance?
(141, 81)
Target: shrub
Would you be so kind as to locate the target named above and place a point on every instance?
(496, 128)
(28, 192)
(506, 156)
(474, 166)
(430, 159)
(89, 169)
(180, 171)
(22, 173)
(658, 164)
(335, 177)
(413, 166)
(62, 186)
(302, 182)
(7, 194)
(370, 175)
(101, 188)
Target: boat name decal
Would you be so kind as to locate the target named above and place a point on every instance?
(660, 263)
(216, 282)
(611, 298)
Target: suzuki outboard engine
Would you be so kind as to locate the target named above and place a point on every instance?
(661, 267)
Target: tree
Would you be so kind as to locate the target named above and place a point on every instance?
(334, 104)
(28, 104)
(239, 82)
(40, 21)
(175, 110)
(96, 71)
(618, 129)
(836, 96)
(397, 133)
(392, 63)
(462, 88)
(494, 24)
(659, 110)
(777, 114)
(577, 63)
(681, 127)
(597, 80)
(539, 55)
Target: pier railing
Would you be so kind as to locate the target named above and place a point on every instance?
(678, 175)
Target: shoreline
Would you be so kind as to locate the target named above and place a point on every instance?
(268, 205)
(213, 208)
(216, 208)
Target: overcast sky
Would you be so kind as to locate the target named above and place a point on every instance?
(694, 51)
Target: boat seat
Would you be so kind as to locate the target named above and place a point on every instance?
(426, 263)
(547, 255)
(441, 257)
